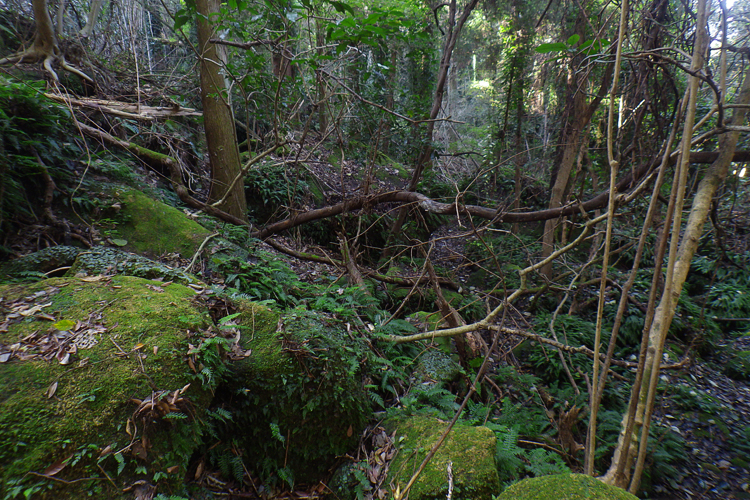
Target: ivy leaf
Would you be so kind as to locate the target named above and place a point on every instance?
(551, 47)
(181, 18)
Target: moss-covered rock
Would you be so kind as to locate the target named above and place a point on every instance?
(153, 228)
(113, 261)
(298, 401)
(471, 450)
(43, 261)
(76, 357)
(567, 486)
(436, 367)
(101, 260)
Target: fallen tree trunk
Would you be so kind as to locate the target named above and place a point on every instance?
(495, 215)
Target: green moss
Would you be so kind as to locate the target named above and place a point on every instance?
(567, 486)
(299, 399)
(470, 449)
(153, 228)
(147, 329)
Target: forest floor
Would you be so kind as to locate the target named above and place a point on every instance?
(710, 411)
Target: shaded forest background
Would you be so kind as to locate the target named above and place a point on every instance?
(558, 187)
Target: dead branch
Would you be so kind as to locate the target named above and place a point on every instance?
(492, 214)
(153, 158)
(125, 109)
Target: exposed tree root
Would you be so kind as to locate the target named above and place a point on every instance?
(47, 57)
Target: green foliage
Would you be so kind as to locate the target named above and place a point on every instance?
(569, 47)
(570, 330)
(508, 453)
(309, 397)
(33, 144)
(514, 462)
(270, 187)
(497, 258)
(427, 400)
(375, 29)
(265, 279)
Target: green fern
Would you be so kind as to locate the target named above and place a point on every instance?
(428, 400)
(476, 413)
(507, 453)
(543, 462)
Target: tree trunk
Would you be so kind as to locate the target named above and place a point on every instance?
(45, 47)
(227, 192)
(577, 118)
(636, 441)
(425, 155)
(94, 10)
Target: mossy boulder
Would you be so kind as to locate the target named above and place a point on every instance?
(436, 367)
(471, 450)
(76, 357)
(111, 260)
(99, 260)
(298, 402)
(45, 260)
(153, 228)
(567, 486)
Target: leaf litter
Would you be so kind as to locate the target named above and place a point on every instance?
(60, 341)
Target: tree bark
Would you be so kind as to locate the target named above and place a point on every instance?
(218, 120)
(625, 453)
(578, 115)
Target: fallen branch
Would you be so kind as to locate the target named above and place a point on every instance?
(153, 158)
(496, 215)
(394, 280)
(125, 109)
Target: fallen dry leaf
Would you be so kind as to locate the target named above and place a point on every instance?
(57, 466)
(51, 390)
(92, 279)
(63, 357)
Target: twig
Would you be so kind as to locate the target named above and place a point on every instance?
(198, 252)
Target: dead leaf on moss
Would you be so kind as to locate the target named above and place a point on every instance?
(105, 452)
(93, 279)
(57, 466)
(51, 390)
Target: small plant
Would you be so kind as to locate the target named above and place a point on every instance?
(273, 187)
(265, 279)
